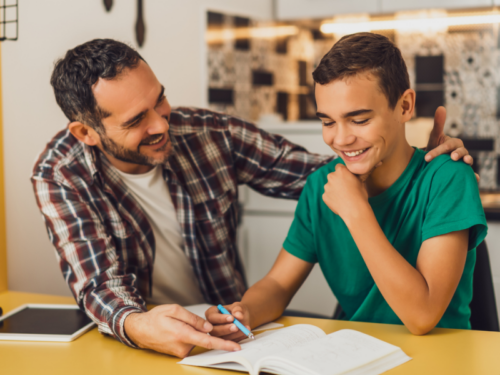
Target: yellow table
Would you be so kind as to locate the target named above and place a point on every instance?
(443, 351)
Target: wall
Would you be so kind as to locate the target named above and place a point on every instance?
(3, 241)
(174, 47)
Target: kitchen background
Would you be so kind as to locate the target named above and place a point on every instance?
(262, 71)
(252, 59)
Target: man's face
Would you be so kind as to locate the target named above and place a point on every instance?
(136, 132)
(358, 123)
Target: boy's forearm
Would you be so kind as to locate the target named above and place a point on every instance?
(266, 301)
(402, 285)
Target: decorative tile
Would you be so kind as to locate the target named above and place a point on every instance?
(487, 170)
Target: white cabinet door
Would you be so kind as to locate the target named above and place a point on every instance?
(390, 6)
(261, 238)
(298, 9)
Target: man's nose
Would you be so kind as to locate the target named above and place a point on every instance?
(158, 124)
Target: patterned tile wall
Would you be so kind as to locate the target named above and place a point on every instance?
(471, 79)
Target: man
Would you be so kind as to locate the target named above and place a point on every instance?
(132, 183)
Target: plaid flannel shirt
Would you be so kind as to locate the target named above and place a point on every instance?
(104, 243)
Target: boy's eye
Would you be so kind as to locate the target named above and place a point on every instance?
(360, 122)
(328, 123)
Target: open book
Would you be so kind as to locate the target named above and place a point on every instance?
(304, 349)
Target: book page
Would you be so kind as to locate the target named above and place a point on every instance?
(337, 353)
(265, 344)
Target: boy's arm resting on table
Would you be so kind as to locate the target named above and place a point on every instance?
(265, 300)
(97, 278)
(418, 295)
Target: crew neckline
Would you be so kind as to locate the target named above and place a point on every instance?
(135, 176)
(402, 180)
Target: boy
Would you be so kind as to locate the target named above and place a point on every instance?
(395, 236)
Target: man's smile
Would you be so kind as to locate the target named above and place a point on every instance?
(154, 141)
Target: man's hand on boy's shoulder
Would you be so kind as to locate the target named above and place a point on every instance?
(440, 144)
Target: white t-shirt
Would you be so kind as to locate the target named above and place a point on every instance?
(173, 277)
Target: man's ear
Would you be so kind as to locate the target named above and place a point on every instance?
(84, 133)
(407, 101)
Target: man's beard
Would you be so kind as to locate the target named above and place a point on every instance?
(130, 156)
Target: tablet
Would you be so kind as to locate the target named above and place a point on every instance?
(37, 322)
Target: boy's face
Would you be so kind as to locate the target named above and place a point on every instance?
(358, 123)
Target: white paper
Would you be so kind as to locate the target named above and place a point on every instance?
(265, 344)
(201, 308)
(340, 352)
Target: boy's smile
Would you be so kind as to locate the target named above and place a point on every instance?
(360, 126)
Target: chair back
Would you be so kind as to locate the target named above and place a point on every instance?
(484, 316)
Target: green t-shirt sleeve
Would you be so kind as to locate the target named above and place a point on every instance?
(300, 238)
(454, 204)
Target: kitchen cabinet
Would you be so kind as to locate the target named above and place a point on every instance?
(265, 223)
(262, 237)
(389, 6)
(297, 9)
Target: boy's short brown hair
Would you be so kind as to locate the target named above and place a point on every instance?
(366, 52)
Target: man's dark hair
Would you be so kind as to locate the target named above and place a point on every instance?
(75, 74)
(366, 52)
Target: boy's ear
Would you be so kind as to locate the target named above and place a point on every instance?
(84, 133)
(408, 105)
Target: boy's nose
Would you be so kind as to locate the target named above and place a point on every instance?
(344, 137)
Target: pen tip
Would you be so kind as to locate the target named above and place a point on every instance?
(251, 336)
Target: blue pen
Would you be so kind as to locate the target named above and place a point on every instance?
(237, 323)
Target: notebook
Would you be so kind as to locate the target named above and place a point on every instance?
(304, 349)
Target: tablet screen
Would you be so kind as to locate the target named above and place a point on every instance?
(44, 321)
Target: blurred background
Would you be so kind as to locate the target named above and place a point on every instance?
(251, 59)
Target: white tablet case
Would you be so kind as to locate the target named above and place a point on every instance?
(43, 337)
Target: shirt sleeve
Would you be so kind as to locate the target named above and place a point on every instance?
(88, 259)
(454, 204)
(300, 238)
(269, 163)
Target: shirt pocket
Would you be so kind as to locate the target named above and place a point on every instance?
(215, 222)
(214, 208)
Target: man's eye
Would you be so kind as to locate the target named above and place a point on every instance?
(361, 122)
(135, 124)
(328, 123)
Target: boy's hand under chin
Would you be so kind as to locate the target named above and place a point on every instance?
(345, 193)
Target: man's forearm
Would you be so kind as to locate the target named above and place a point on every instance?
(402, 285)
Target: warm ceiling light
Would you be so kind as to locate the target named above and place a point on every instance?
(217, 36)
(408, 24)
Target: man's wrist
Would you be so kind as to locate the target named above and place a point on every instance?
(130, 328)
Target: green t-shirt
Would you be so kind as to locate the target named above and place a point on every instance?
(427, 200)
